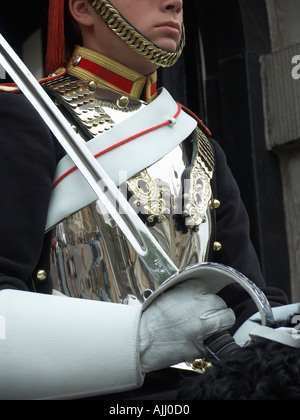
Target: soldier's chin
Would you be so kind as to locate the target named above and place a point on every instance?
(168, 45)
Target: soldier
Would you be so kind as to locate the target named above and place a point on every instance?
(75, 348)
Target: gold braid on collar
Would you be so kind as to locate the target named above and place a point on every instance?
(133, 38)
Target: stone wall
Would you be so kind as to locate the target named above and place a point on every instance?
(280, 72)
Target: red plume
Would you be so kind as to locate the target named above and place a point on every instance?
(56, 50)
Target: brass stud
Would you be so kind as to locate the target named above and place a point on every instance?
(214, 204)
(217, 246)
(123, 101)
(92, 86)
(76, 60)
(41, 275)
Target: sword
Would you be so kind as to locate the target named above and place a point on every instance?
(157, 262)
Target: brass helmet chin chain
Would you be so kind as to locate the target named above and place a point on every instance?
(133, 38)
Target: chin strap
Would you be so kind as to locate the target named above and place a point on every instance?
(133, 38)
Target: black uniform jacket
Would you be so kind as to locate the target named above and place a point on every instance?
(28, 158)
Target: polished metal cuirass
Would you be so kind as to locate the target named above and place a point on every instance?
(92, 259)
(90, 256)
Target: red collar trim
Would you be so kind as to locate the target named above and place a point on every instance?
(108, 76)
(90, 65)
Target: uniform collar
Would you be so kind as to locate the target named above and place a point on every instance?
(87, 64)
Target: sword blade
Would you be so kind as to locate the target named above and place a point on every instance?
(157, 262)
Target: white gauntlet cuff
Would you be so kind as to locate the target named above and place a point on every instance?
(58, 348)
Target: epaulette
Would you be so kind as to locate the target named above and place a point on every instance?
(201, 125)
(13, 88)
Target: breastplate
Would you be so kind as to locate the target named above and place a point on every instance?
(92, 259)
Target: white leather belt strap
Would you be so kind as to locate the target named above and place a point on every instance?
(157, 129)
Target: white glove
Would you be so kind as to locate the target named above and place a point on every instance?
(175, 325)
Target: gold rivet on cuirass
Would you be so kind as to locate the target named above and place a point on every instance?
(92, 86)
(123, 101)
